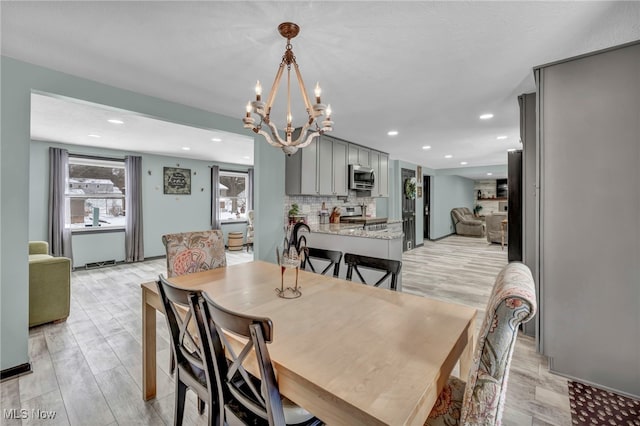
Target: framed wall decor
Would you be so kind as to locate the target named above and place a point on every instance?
(177, 181)
(419, 173)
(419, 190)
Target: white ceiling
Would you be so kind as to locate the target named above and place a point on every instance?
(426, 69)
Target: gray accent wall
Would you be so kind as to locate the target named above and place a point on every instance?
(18, 79)
(589, 140)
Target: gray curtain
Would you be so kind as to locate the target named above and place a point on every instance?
(215, 197)
(250, 189)
(133, 237)
(59, 235)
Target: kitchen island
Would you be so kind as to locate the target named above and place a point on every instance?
(350, 238)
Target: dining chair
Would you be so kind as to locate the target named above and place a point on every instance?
(391, 268)
(333, 256)
(189, 252)
(194, 362)
(197, 251)
(481, 400)
(252, 400)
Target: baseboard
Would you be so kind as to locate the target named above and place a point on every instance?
(588, 382)
(443, 237)
(18, 370)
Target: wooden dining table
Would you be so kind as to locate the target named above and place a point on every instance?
(349, 353)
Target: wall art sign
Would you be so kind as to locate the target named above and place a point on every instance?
(177, 181)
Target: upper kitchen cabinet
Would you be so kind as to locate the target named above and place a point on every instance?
(359, 155)
(333, 167)
(318, 169)
(380, 166)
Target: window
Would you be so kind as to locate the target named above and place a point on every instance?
(95, 193)
(233, 196)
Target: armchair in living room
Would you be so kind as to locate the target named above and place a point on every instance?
(49, 285)
(494, 231)
(466, 223)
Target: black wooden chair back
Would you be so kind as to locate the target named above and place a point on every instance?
(253, 400)
(257, 398)
(194, 361)
(391, 268)
(333, 256)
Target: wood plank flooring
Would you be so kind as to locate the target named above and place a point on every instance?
(88, 369)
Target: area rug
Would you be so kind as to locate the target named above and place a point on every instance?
(592, 406)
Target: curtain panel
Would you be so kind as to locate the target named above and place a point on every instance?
(133, 236)
(215, 197)
(250, 187)
(59, 235)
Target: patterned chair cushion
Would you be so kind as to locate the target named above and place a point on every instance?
(512, 302)
(194, 251)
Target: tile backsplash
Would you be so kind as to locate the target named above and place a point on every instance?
(310, 205)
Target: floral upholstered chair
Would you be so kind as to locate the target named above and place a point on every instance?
(480, 401)
(194, 252)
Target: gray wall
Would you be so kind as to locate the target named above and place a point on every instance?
(162, 214)
(448, 192)
(18, 79)
(590, 262)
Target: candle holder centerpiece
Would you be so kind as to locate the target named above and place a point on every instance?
(293, 254)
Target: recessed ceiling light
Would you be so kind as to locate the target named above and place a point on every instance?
(115, 121)
(489, 174)
(93, 135)
(216, 139)
(186, 148)
(501, 137)
(511, 150)
(426, 147)
(486, 116)
(464, 163)
(246, 157)
(392, 133)
(448, 156)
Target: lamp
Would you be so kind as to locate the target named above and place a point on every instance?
(288, 30)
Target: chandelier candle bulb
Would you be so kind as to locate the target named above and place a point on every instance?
(258, 91)
(318, 92)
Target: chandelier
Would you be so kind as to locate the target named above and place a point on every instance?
(288, 30)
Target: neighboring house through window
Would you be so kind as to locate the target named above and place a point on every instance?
(95, 193)
(233, 196)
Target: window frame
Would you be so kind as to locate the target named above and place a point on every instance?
(233, 173)
(97, 161)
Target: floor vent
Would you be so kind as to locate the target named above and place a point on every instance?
(102, 264)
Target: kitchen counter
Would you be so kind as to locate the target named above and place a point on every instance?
(355, 230)
(351, 238)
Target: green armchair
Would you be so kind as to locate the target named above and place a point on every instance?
(49, 285)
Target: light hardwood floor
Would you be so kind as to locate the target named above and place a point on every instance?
(88, 369)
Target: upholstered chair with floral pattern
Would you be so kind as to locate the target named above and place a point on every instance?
(189, 252)
(480, 401)
(194, 252)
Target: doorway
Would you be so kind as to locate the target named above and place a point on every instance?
(426, 190)
(408, 212)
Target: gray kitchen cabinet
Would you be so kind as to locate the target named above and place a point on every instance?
(340, 168)
(333, 166)
(318, 169)
(301, 171)
(359, 155)
(380, 166)
(364, 156)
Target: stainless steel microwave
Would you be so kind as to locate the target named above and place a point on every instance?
(361, 178)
